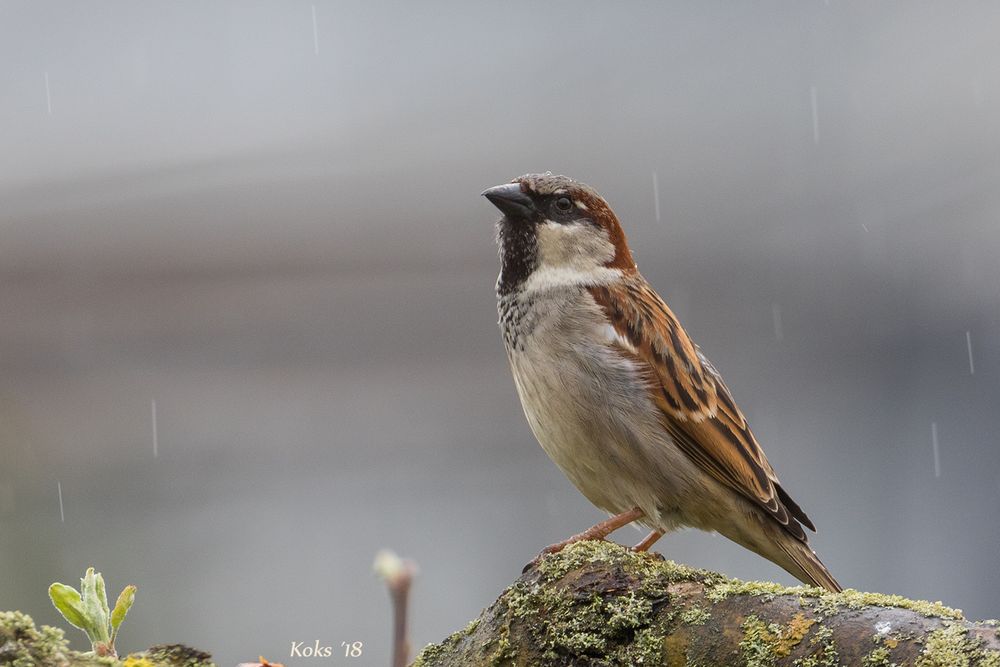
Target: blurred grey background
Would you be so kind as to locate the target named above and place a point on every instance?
(265, 217)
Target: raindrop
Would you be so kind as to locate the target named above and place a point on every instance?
(48, 94)
(937, 454)
(813, 97)
(315, 31)
(656, 196)
(968, 344)
(156, 439)
(779, 330)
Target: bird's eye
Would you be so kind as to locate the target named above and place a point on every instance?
(564, 204)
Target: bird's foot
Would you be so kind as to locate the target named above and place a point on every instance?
(596, 532)
(648, 541)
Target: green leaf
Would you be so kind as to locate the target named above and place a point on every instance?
(67, 601)
(102, 597)
(122, 606)
(94, 606)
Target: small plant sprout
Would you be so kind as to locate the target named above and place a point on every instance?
(397, 574)
(88, 610)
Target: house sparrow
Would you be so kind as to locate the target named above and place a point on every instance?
(616, 392)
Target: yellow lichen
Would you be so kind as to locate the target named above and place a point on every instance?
(629, 612)
(137, 661)
(990, 660)
(759, 643)
(798, 627)
(763, 643)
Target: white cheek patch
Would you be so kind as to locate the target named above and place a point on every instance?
(571, 254)
(576, 244)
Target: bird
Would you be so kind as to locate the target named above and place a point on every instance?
(616, 392)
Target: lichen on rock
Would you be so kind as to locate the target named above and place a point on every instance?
(597, 603)
(953, 646)
(22, 644)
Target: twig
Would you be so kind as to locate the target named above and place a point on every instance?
(397, 574)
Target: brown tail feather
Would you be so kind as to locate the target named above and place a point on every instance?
(809, 569)
(769, 539)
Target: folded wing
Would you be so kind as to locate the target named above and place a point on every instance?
(697, 407)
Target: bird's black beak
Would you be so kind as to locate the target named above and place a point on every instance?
(510, 200)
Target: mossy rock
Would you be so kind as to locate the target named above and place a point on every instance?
(24, 645)
(600, 604)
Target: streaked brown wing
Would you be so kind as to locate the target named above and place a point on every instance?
(699, 411)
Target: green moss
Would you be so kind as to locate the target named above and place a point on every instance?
(504, 652)
(643, 566)
(573, 626)
(646, 649)
(824, 651)
(496, 653)
(826, 602)
(572, 612)
(953, 646)
(768, 590)
(178, 655)
(763, 643)
(760, 642)
(990, 660)
(628, 612)
(878, 657)
(624, 627)
(433, 652)
(695, 615)
(948, 646)
(24, 645)
(830, 603)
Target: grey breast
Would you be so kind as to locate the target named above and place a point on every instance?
(580, 398)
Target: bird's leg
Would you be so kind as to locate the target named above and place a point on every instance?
(596, 532)
(599, 531)
(648, 541)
